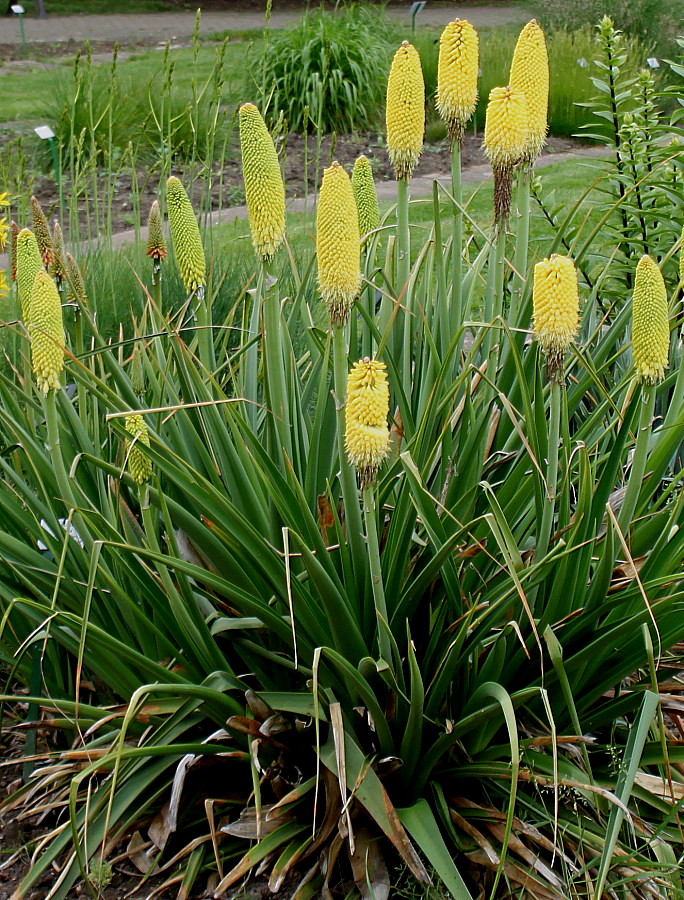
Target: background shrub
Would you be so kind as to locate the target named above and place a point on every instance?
(331, 69)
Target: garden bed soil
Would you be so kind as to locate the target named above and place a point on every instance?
(300, 170)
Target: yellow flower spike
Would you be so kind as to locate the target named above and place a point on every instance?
(77, 291)
(42, 233)
(530, 74)
(156, 245)
(405, 110)
(338, 244)
(186, 238)
(365, 196)
(57, 269)
(4, 287)
(367, 435)
(264, 189)
(29, 264)
(505, 140)
(650, 322)
(46, 330)
(459, 50)
(139, 464)
(555, 301)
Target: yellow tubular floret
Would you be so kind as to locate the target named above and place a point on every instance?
(367, 435)
(457, 76)
(338, 244)
(264, 189)
(650, 322)
(405, 110)
(530, 74)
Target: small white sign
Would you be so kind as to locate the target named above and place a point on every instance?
(652, 62)
(18, 9)
(582, 63)
(417, 7)
(44, 132)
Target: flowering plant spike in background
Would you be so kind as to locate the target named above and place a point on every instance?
(405, 110)
(505, 140)
(139, 464)
(156, 244)
(338, 244)
(57, 269)
(365, 195)
(367, 436)
(29, 263)
(530, 74)
(14, 234)
(46, 331)
(650, 322)
(42, 233)
(457, 76)
(185, 234)
(77, 291)
(555, 300)
(264, 189)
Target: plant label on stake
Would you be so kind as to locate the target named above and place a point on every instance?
(416, 8)
(18, 10)
(45, 133)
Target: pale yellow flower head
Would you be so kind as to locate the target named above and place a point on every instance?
(555, 300)
(405, 110)
(4, 227)
(650, 322)
(29, 263)
(185, 234)
(530, 74)
(264, 189)
(139, 464)
(459, 49)
(505, 140)
(367, 435)
(338, 244)
(46, 330)
(365, 195)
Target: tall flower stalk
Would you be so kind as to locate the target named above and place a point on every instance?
(456, 101)
(650, 351)
(555, 298)
(265, 196)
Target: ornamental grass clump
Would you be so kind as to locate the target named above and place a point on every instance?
(139, 464)
(457, 74)
(264, 189)
(185, 234)
(367, 435)
(338, 244)
(505, 140)
(46, 330)
(365, 196)
(555, 299)
(29, 264)
(530, 74)
(405, 111)
(650, 322)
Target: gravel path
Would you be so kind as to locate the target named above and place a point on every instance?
(172, 25)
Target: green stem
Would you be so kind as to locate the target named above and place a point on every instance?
(251, 356)
(456, 246)
(522, 239)
(551, 470)
(494, 300)
(373, 547)
(403, 262)
(350, 494)
(276, 387)
(639, 460)
(442, 293)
